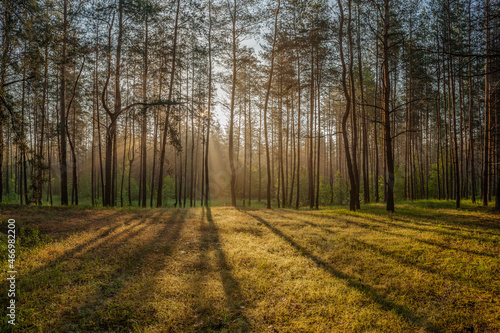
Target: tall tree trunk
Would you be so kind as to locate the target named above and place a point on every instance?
(170, 92)
(365, 166)
(297, 202)
(452, 97)
(39, 178)
(62, 118)
(386, 107)
(487, 111)
(354, 120)
(192, 180)
(311, 133)
(95, 112)
(144, 122)
(268, 90)
(123, 160)
(318, 131)
(352, 179)
(209, 108)
(111, 128)
(250, 150)
(3, 64)
(131, 157)
(375, 126)
(233, 96)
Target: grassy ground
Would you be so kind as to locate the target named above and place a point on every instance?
(232, 270)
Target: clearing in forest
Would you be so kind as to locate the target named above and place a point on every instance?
(237, 270)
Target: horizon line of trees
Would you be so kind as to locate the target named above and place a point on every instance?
(342, 102)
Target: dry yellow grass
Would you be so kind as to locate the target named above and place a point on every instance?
(230, 270)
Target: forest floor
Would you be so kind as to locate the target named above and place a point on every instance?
(426, 268)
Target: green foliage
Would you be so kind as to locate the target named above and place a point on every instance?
(399, 182)
(168, 190)
(340, 190)
(325, 192)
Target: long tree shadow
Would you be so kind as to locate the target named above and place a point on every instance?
(44, 274)
(132, 271)
(62, 222)
(466, 221)
(477, 281)
(107, 233)
(405, 312)
(421, 227)
(382, 223)
(49, 273)
(381, 229)
(210, 241)
(119, 271)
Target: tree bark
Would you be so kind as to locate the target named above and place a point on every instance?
(209, 108)
(62, 119)
(352, 179)
(268, 90)
(170, 92)
(386, 107)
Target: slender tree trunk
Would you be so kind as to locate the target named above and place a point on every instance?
(352, 179)
(170, 92)
(318, 133)
(209, 109)
(365, 166)
(191, 188)
(487, 112)
(111, 129)
(453, 107)
(354, 120)
(375, 126)
(144, 123)
(250, 150)
(39, 190)
(311, 133)
(62, 119)
(231, 117)
(5, 46)
(95, 119)
(269, 179)
(259, 198)
(386, 108)
(155, 142)
(131, 157)
(297, 202)
(123, 160)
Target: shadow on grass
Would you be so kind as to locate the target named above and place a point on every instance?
(61, 222)
(417, 226)
(405, 312)
(474, 280)
(98, 307)
(236, 321)
(425, 211)
(108, 312)
(83, 247)
(406, 225)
